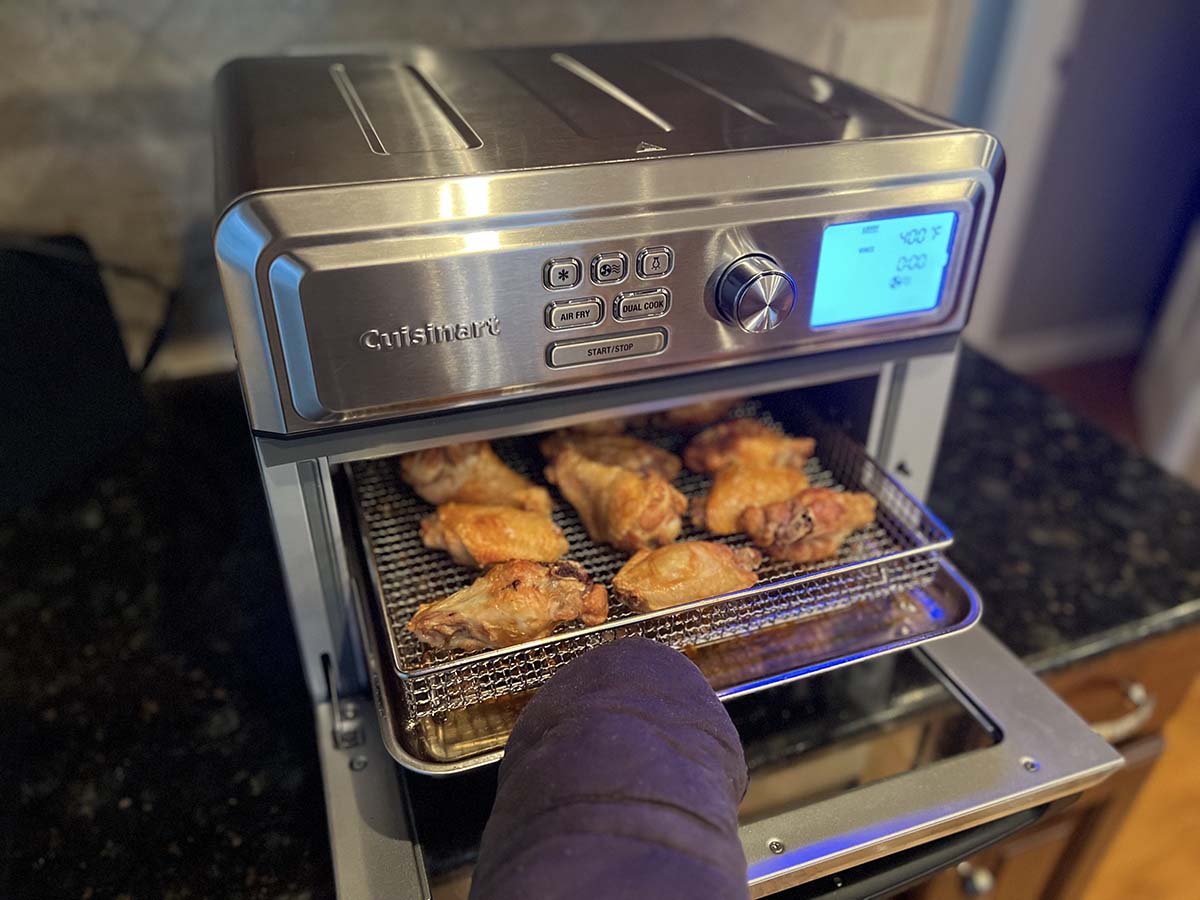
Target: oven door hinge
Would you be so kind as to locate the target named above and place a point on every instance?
(347, 728)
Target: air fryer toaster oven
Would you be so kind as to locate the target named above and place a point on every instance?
(430, 247)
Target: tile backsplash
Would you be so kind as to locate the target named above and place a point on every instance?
(106, 103)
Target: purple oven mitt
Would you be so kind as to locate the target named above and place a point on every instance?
(621, 779)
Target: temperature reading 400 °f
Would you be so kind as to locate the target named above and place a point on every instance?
(912, 236)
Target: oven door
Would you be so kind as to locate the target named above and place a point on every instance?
(938, 742)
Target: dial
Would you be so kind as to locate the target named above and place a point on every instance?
(755, 294)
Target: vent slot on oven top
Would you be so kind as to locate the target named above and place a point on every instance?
(398, 108)
(895, 554)
(654, 91)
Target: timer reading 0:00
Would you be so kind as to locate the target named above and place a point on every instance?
(912, 263)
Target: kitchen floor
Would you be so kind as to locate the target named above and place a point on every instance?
(1154, 854)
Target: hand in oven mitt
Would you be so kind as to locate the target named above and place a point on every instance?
(621, 778)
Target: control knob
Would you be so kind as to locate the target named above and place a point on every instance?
(755, 294)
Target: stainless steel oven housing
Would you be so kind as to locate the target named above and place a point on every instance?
(332, 240)
(344, 212)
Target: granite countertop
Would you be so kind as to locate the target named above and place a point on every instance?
(158, 739)
(1075, 542)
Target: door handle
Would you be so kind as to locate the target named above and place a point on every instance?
(977, 881)
(1125, 726)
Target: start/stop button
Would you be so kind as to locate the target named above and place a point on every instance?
(606, 349)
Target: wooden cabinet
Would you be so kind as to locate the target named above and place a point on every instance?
(1131, 692)
(1055, 857)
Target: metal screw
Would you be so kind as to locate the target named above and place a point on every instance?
(349, 711)
(775, 845)
(1030, 764)
(358, 763)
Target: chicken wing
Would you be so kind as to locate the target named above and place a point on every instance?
(617, 506)
(810, 526)
(694, 416)
(615, 450)
(746, 442)
(470, 473)
(510, 603)
(737, 488)
(681, 573)
(481, 535)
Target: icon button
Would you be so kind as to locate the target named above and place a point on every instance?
(655, 262)
(609, 268)
(562, 274)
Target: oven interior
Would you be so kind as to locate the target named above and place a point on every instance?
(449, 711)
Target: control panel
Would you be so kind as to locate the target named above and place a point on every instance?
(631, 304)
(853, 275)
(473, 320)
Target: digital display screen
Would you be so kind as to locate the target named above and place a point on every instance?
(882, 267)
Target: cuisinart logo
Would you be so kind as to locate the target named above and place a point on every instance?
(429, 333)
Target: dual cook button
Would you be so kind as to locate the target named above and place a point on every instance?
(633, 305)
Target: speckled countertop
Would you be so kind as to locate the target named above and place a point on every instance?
(1075, 543)
(156, 736)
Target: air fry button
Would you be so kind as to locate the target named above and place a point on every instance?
(642, 304)
(574, 313)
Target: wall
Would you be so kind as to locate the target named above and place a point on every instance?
(1101, 186)
(106, 103)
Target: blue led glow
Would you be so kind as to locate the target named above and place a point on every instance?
(882, 267)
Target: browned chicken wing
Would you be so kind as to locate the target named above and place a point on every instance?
(737, 488)
(694, 416)
(810, 526)
(510, 603)
(615, 450)
(681, 573)
(746, 442)
(470, 473)
(623, 508)
(481, 535)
